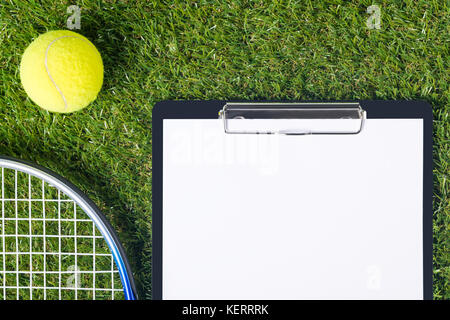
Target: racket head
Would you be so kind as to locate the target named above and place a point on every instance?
(70, 195)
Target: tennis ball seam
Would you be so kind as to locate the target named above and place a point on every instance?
(48, 71)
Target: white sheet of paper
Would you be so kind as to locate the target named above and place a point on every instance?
(292, 217)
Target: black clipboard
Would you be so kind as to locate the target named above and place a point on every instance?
(212, 110)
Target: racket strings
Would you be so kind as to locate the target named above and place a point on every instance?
(50, 248)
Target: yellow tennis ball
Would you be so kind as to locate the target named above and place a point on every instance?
(61, 71)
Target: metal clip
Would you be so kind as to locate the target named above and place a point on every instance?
(292, 118)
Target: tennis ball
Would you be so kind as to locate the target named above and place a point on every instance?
(61, 71)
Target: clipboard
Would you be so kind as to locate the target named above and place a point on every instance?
(297, 200)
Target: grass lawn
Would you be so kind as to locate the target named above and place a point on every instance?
(157, 50)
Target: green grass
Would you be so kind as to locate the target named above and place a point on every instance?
(156, 50)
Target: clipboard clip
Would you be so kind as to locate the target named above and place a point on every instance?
(292, 118)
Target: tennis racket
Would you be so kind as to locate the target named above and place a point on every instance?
(55, 243)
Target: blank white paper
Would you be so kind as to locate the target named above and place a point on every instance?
(292, 217)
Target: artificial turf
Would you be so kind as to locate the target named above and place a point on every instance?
(158, 50)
